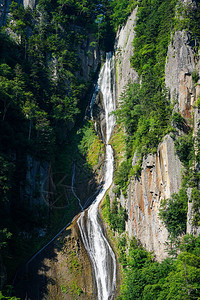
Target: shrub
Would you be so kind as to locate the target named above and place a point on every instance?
(195, 199)
(184, 149)
(121, 175)
(198, 102)
(173, 213)
(195, 76)
(178, 121)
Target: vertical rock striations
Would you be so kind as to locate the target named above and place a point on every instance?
(160, 178)
(124, 51)
(162, 172)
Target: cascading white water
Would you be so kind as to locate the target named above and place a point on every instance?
(101, 254)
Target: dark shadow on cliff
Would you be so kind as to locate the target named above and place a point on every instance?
(31, 280)
(36, 279)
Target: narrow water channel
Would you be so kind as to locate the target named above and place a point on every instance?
(92, 232)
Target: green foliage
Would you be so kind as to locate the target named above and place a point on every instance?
(4, 237)
(90, 145)
(88, 137)
(121, 10)
(178, 121)
(114, 214)
(7, 293)
(144, 278)
(9, 298)
(195, 76)
(73, 290)
(188, 17)
(173, 213)
(118, 144)
(106, 209)
(144, 112)
(74, 264)
(121, 175)
(197, 146)
(153, 28)
(198, 103)
(130, 108)
(185, 149)
(6, 171)
(195, 199)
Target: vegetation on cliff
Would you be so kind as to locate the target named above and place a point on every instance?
(144, 278)
(147, 115)
(145, 110)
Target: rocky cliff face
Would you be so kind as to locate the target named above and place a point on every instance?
(181, 66)
(160, 178)
(90, 58)
(61, 271)
(124, 51)
(161, 173)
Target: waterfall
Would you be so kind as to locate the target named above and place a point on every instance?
(92, 232)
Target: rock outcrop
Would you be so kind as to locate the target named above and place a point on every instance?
(180, 65)
(90, 57)
(182, 72)
(37, 177)
(124, 51)
(162, 172)
(160, 178)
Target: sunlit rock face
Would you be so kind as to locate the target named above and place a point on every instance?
(160, 178)
(181, 65)
(29, 3)
(123, 53)
(161, 172)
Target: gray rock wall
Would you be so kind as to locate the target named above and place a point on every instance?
(180, 65)
(160, 178)
(29, 3)
(90, 58)
(162, 172)
(37, 178)
(123, 53)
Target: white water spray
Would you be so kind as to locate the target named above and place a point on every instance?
(101, 254)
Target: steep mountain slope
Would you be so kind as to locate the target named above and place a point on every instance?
(155, 194)
(156, 179)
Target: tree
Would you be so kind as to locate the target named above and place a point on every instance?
(173, 213)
